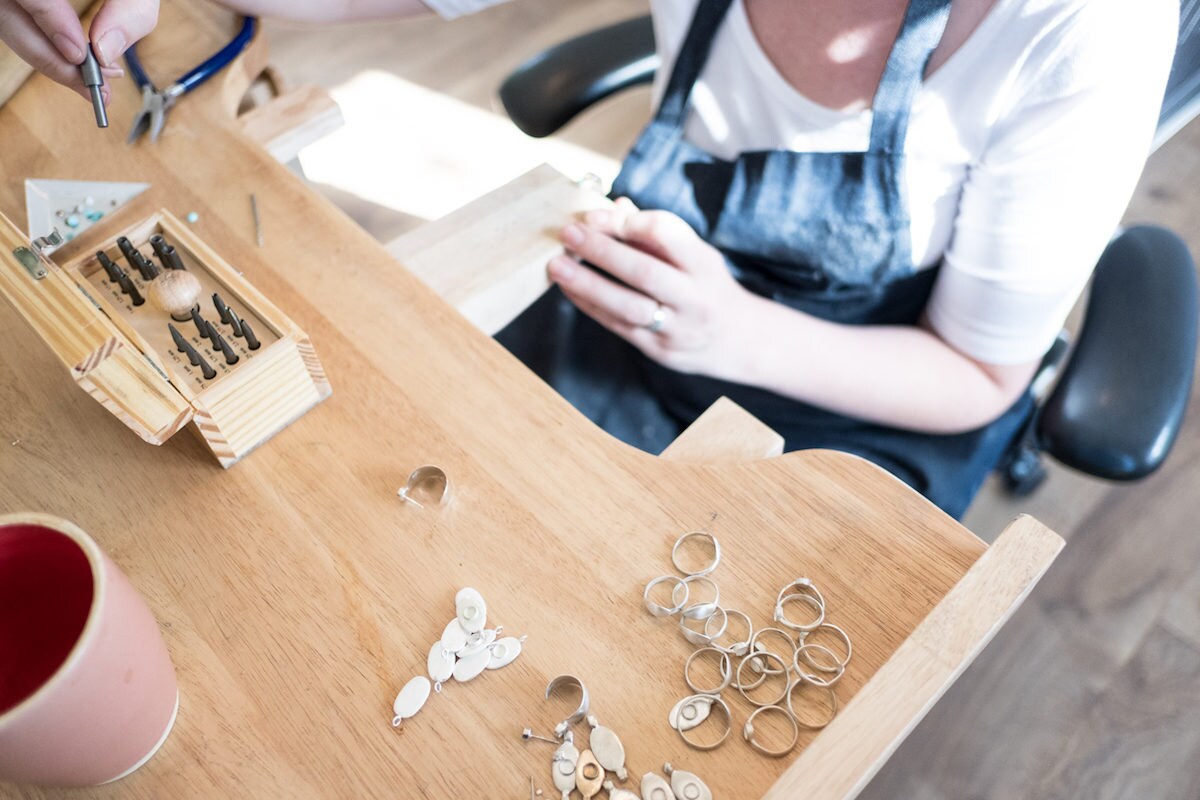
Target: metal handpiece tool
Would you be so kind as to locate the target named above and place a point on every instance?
(93, 79)
(155, 103)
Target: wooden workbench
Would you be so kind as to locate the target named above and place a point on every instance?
(297, 593)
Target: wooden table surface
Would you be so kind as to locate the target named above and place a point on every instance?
(297, 594)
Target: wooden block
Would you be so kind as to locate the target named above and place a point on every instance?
(292, 121)
(725, 434)
(488, 259)
(13, 71)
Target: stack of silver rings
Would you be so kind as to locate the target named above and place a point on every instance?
(783, 652)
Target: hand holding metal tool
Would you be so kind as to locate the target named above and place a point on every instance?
(155, 102)
(93, 79)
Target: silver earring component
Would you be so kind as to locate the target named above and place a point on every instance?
(687, 786)
(801, 587)
(757, 648)
(704, 609)
(677, 605)
(689, 739)
(689, 712)
(527, 734)
(765, 655)
(836, 664)
(725, 666)
(607, 748)
(655, 787)
(440, 664)
(620, 794)
(429, 483)
(739, 648)
(504, 651)
(704, 638)
(803, 628)
(471, 611)
(820, 723)
(801, 657)
(563, 764)
(716, 556)
(580, 713)
(748, 732)
(410, 700)
(589, 775)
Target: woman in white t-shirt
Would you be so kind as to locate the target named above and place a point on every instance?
(878, 213)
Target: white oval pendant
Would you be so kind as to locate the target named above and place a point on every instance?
(655, 787)
(470, 667)
(471, 610)
(440, 663)
(608, 750)
(504, 652)
(689, 712)
(454, 638)
(562, 767)
(688, 787)
(411, 699)
(481, 640)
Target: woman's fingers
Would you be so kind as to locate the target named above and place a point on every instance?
(618, 302)
(120, 23)
(657, 232)
(641, 270)
(29, 42)
(59, 23)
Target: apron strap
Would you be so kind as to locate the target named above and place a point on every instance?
(922, 30)
(691, 59)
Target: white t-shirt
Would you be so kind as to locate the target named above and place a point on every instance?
(1023, 148)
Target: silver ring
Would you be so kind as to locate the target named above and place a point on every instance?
(802, 628)
(662, 611)
(658, 320)
(839, 664)
(562, 728)
(737, 649)
(716, 558)
(826, 680)
(726, 666)
(701, 610)
(812, 726)
(704, 639)
(748, 732)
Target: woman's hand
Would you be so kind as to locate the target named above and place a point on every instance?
(47, 35)
(707, 316)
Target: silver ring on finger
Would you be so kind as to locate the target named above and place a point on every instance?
(658, 320)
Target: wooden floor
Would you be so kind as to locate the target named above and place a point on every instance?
(1093, 689)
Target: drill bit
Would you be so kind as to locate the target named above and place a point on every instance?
(112, 270)
(93, 79)
(209, 372)
(166, 253)
(201, 322)
(251, 339)
(146, 266)
(235, 322)
(231, 356)
(222, 309)
(128, 250)
(185, 346)
(129, 288)
(159, 244)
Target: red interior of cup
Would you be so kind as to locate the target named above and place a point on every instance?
(45, 596)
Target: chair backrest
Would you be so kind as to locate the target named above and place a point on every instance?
(1182, 101)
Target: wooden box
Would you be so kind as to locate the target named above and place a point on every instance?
(124, 355)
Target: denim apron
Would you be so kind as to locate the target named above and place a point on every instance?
(827, 234)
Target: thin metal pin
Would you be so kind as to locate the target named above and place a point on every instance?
(258, 233)
(248, 332)
(528, 734)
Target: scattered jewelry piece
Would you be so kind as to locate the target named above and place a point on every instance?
(748, 732)
(725, 666)
(431, 481)
(686, 735)
(471, 610)
(563, 764)
(589, 775)
(686, 786)
(410, 700)
(689, 712)
(620, 794)
(716, 557)
(662, 611)
(607, 748)
(812, 726)
(655, 787)
(580, 713)
(192, 217)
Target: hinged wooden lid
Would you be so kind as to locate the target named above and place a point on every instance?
(101, 360)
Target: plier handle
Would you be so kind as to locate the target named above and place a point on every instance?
(155, 102)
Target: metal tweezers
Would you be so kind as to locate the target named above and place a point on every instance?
(155, 102)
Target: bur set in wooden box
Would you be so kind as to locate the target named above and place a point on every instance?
(161, 331)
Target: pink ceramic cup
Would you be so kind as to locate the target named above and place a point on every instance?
(87, 689)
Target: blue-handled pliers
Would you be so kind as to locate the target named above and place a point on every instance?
(155, 102)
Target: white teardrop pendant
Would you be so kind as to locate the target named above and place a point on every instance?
(687, 786)
(690, 712)
(504, 652)
(655, 787)
(607, 747)
(411, 699)
(440, 663)
(562, 768)
(454, 638)
(471, 610)
(470, 666)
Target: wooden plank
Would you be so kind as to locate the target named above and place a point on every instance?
(287, 124)
(841, 761)
(725, 433)
(13, 71)
(488, 259)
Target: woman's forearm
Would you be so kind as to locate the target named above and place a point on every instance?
(900, 376)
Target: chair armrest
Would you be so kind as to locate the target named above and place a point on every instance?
(548, 90)
(1118, 406)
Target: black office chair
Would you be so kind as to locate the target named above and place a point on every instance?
(1119, 400)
